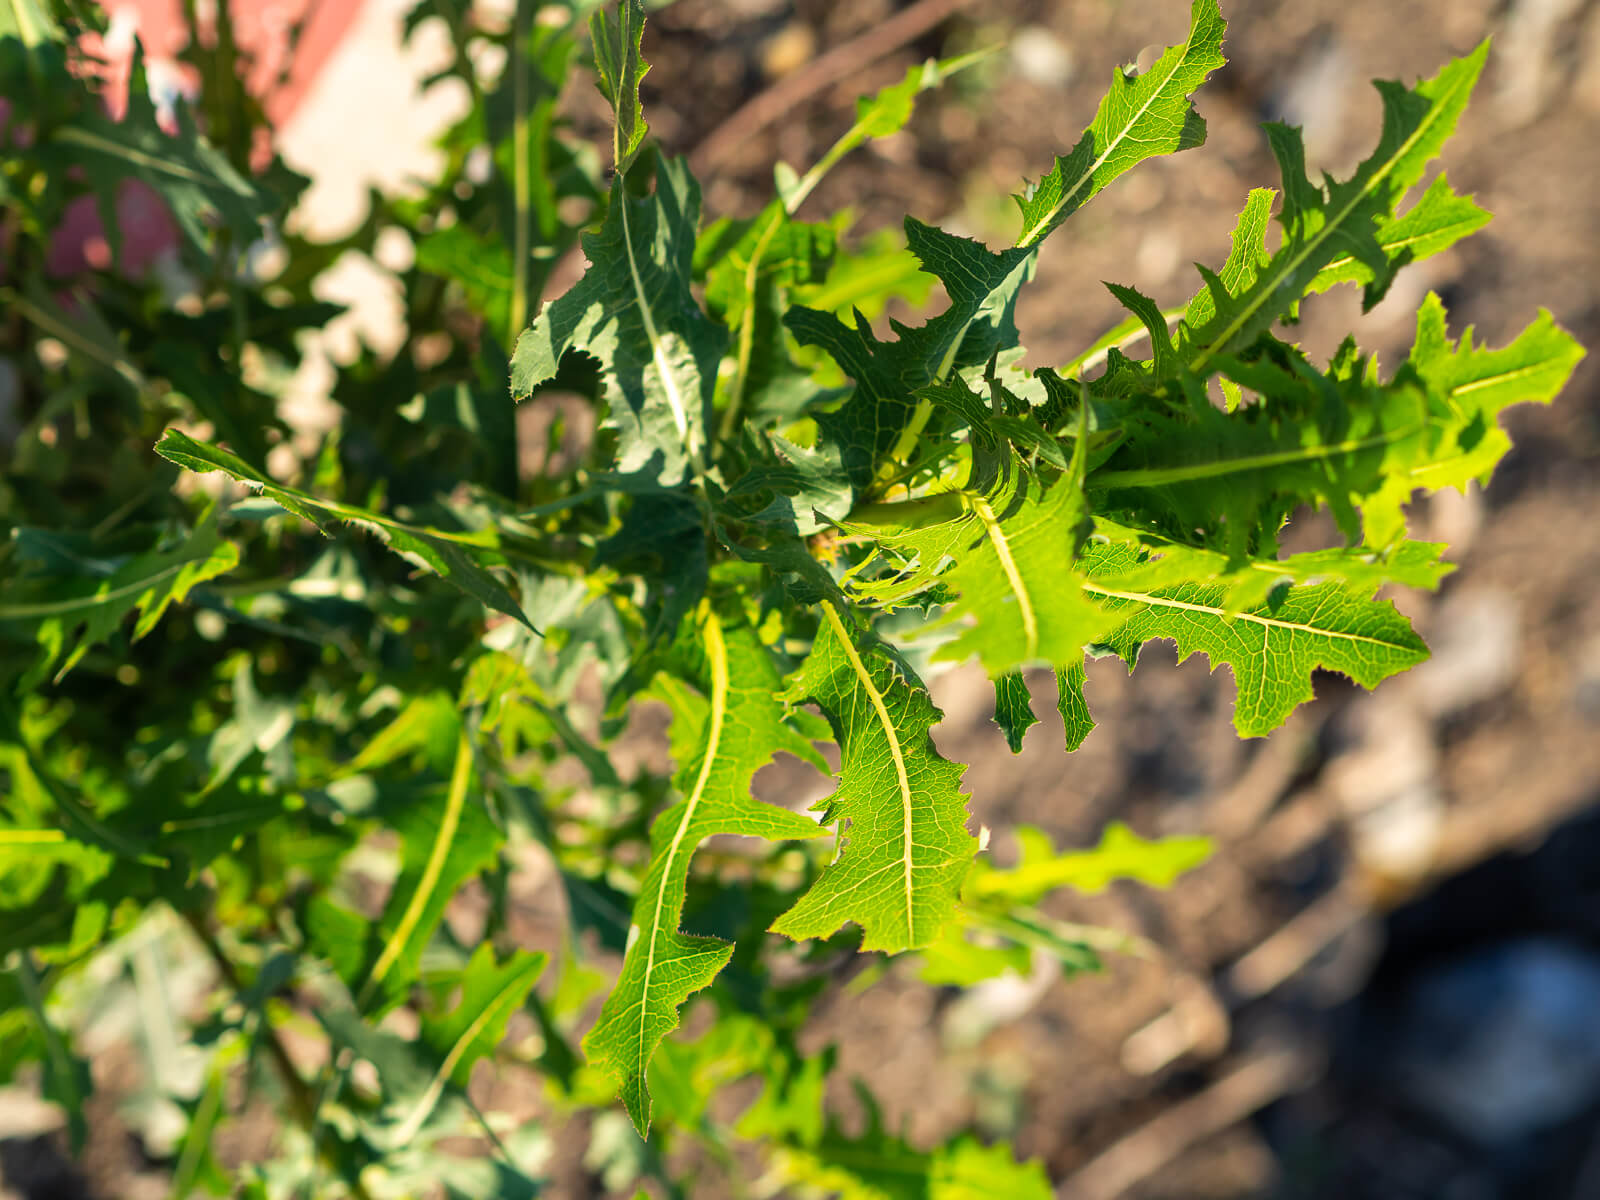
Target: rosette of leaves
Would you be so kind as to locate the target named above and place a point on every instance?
(428, 650)
(1031, 518)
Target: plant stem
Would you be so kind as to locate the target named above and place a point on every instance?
(521, 186)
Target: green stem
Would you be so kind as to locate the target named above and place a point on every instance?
(1126, 333)
(853, 137)
(521, 185)
(55, 1046)
(747, 330)
(920, 510)
(1161, 476)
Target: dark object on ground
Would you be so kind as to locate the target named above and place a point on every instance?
(36, 1169)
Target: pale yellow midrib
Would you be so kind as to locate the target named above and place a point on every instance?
(1344, 261)
(460, 774)
(680, 411)
(136, 156)
(22, 612)
(1488, 381)
(430, 1097)
(31, 837)
(717, 657)
(1144, 476)
(895, 751)
(997, 538)
(1253, 618)
(1327, 230)
(1122, 135)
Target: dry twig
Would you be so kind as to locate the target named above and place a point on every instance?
(788, 93)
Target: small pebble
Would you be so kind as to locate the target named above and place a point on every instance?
(786, 51)
(1041, 57)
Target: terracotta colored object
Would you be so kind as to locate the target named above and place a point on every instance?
(279, 79)
(262, 29)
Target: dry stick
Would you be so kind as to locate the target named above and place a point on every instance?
(782, 98)
(1201, 1016)
(1287, 951)
(1263, 783)
(1199, 1019)
(1258, 1081)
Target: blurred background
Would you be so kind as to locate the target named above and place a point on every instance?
(1386, 983)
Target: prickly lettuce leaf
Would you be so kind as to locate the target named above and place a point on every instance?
(1468, 387)
(616, 35)
(1072, 706)
(1015, 600)
(462, 560)
(904, 848)
(1440, 219)
(634, 312)
(803, 1146)
(1342, 439)
(69, 616)
(1013, 708)
(998, 930)
(878, 419)
(446, 836)
(1142, 116)
(796, 489)
(418, 1074)
(1273, 647)
(875, 1164)
(1120, 854)
(490, 992)
(1410, 564)
(200, 187)
(728, 721)
(1328, 224)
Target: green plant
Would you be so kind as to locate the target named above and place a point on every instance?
(779, 516)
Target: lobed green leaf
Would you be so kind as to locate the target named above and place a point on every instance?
(634, 311)
(460, 559)
(1142, 116)
(1327, 225)
(904, 848)
(1121, 854)
(68, 616)
(728, 721)
(1273, 647)
(620, 68)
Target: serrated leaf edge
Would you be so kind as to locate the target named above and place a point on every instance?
(717, 657)
(1440, 109)
(1042, 229)
(902, 779)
